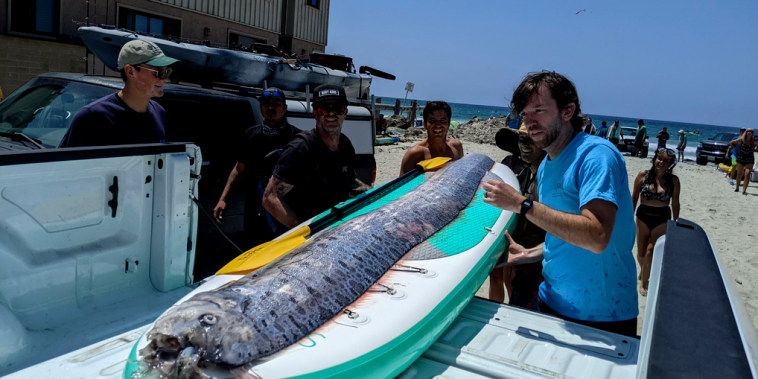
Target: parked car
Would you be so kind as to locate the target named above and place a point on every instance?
(713, 149)
(37, 115)
(626, 143)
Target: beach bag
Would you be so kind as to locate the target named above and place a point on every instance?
(754, 176)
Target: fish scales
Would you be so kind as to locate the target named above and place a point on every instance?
(282, 302)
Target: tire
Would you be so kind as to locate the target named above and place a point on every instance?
(701, 160)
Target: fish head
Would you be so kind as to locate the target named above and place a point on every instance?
(196, 331)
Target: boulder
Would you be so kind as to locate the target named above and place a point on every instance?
(478, 130)
(398, 121)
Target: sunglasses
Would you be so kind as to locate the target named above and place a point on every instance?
(337, 109)
(669, 152)
(273, 93)
(160, 73)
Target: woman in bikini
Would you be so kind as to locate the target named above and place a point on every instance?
(745, 159)
(656, 189)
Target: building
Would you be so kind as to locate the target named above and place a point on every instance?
(38, 36)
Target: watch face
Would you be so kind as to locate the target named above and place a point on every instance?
(526, 205)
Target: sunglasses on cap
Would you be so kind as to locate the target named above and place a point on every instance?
(273, 93)
(325, 109)
(160, 73)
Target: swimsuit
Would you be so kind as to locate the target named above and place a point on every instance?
(745, 154)
(653, 216)
(650, 192)
(650, 215)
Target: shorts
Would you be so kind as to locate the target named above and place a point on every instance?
(680, 148)
(653, 216)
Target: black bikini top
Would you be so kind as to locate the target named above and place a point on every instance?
(650, 189)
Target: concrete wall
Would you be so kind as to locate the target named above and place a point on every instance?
(22, 59)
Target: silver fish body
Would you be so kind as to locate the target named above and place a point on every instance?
(281, 303)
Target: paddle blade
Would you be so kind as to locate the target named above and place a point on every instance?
(434, 163)
(265, 253)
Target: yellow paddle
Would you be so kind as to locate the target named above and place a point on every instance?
(265, 253)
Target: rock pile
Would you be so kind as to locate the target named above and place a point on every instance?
(478, 130)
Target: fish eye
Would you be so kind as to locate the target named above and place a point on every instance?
(208, 319)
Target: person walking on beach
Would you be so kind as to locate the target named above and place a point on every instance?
(662, 136)
(639, 139)
(521, 281)
(615, 134)
(436, 144)
(745, 157)
(655, 188)
(585, 207)
(256, 161)
(681, 145)
(603, 130)
(129, 116)
(513, 121)
(730, 158)
(589, 127)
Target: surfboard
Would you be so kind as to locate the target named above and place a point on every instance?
(386, 329)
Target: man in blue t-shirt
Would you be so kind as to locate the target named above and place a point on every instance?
(585, 207)
(128, 116)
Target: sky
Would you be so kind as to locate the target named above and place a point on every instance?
(687, 61)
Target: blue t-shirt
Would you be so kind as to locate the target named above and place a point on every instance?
(579, 283)
(110, 121)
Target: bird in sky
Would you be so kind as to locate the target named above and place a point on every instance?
(581, 10)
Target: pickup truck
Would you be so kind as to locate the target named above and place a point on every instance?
(96, 242)
(37, 115)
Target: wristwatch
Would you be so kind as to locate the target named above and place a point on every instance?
(526, 205)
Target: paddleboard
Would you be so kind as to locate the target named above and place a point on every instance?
(386, 329)
(385, 140)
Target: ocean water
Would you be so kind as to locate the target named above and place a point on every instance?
(465, 112)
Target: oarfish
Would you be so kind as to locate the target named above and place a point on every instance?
(281, 303)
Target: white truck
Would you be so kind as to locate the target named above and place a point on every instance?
(96, 242)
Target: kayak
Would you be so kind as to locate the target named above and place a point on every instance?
(402, 314)
(205, 65)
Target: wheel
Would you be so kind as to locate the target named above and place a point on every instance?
(701, 160)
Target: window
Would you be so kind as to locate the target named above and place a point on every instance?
(238, 41)
(146, 23)
(313, 3)
(35, 16)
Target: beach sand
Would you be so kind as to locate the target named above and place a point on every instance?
(729, 218)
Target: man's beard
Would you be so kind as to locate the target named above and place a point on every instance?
(551, 134)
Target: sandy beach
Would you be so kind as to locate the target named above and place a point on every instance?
(729, 218)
